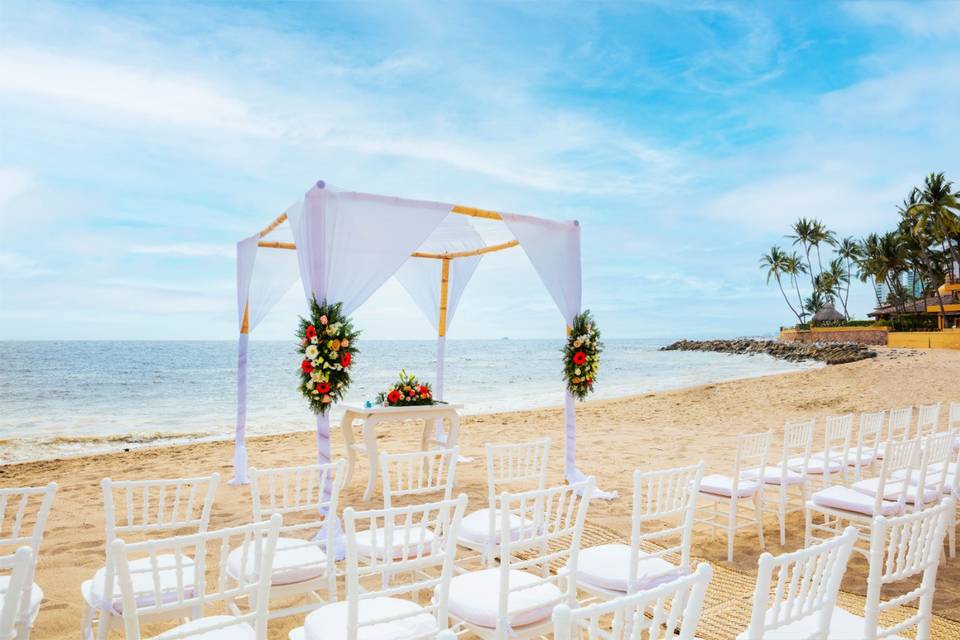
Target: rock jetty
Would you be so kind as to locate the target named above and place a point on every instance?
(828, 352)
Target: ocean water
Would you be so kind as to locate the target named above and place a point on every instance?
(68, 398)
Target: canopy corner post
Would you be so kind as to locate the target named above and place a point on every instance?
(442, 339)
(570, 431)
(240, 439)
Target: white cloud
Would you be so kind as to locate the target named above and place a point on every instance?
(15, 265)
(185, 250)
(13, 183)
(929, 18)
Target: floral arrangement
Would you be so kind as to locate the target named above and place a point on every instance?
(581, 356)
(327, 346)
(406, 392)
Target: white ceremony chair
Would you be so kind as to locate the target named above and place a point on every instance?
(930, 472)
(303, 496)
(898, 427)
(869, 437)
(516, 599)
(928, 420)
(779, 480)
(668, 612)
(835, 456)
(953, 421)
(20, 565)
(510, 467)
(796, 592)
(900, 548)
(379, 610)
(176, 578)
(23, 519)
(666, 496)
(743, 498)
(142, 509)
(839, 505)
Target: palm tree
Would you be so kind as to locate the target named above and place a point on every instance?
(818, 235)
(803, 234)
(775, 263)
(839, 280)
(870, 265)
(793, 266)
(814, 303)
(848, 250)
(939, 206)
(917, 226)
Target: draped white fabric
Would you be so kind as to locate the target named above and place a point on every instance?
(263, 277)
(554, 250)
(349, 244)
(421, 276)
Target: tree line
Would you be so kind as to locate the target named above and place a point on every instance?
(924, 247)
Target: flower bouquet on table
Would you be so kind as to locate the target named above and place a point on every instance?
(407, 391)
(327, 346)
(581, 356)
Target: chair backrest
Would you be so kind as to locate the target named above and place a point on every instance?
(419, 473)
(869, 436)
(953, 418)
(899, 424)
(428, 534)
(147, 507)
(837, 437)
(516, 466)
(302, 495)
(752, 450)
(20, 567)
(899, 458)
(901, 548)
(176, 577)
(801, 584)
(668, 612)
(928, 420)
(935, 454)
(668, 495)
(549, 536)
(797, 445)
(23, 519)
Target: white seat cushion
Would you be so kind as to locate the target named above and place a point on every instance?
(845, 499)
(237, 631)
(931, 482)
(721, 485)
(295, 560)
(36, 593)
(774, 475)
(844, 624)
(475, 527)
(893, 489)
(474, 598)
(402, 542)
(329, 622)
(816, 465)
(867, 456)
(608, 566)
(143, 582)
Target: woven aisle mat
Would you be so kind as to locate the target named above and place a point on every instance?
(729, 599)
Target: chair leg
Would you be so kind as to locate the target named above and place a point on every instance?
(808, 526)
(86, 629)
(952, 535)
(783, 519)
(22, 630)
(758, 504)
(731, 528)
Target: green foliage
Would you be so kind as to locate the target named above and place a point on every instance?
(915, 322)
(327, 343)
(407, 391)
(581, 356)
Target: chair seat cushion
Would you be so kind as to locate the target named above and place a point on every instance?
(329, 622)
(142, 579)
(931, 482)
(774, 475)
(608, 566)
(295, 561)
(405, 542)
(237, 631)
(721, 485)
(817, 464)
(36, 593)
(474, 598)
(866, 457)
(475, 527)
(845, 499)
(894, 488)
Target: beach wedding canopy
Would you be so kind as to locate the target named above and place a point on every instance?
(344, 245)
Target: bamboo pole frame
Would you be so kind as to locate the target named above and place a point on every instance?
(444, 296)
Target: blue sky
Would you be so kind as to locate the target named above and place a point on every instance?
(140, 141)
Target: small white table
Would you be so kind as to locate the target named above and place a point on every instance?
(370, 417)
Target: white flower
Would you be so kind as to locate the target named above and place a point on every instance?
(577, 371)
(316, 376)
(313, 340)
(310, 385)
(312, 352)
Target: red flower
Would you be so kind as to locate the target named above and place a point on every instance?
(411, 393)
(323, 387)
(345, 360)
(424, 391)
(393, 396)
(579, 357)
(311, 332)
(306, 367)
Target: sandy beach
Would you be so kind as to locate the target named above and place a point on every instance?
(614, 438)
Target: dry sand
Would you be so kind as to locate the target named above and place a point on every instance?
(614, 438)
